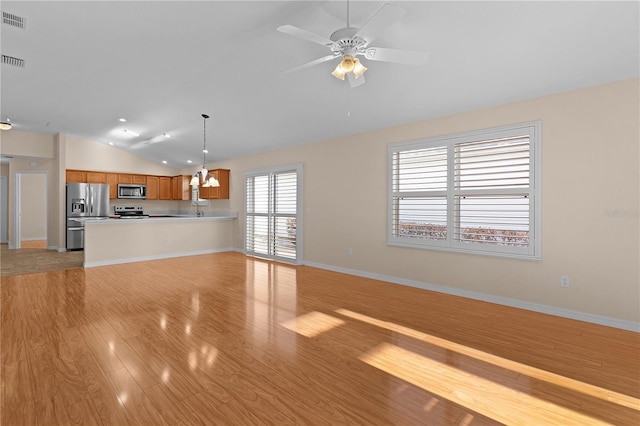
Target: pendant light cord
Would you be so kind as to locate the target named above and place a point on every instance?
(204, 140)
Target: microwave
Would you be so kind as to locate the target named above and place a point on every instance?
(127, 190)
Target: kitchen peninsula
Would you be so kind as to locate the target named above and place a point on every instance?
(113, 241)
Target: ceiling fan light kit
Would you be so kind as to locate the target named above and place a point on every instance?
(348, 43)
(347, 65)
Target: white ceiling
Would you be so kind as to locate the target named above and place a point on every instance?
(162, 64)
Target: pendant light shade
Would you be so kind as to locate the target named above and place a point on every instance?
(203, 177)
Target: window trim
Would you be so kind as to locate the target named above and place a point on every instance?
(534, 251)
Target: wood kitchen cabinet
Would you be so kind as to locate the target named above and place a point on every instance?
(153, 185)
(78, 176)
(219, 192)
(165, 188)
(180, 189)
(125, 178)
(96, 177)
(139, 179)
(112, 180)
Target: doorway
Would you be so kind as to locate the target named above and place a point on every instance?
(30, 227)
(4, 210)
(273, 213)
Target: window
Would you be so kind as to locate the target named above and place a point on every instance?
(475, 192)
(273, 213)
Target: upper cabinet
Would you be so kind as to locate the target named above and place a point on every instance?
(96, 177)
(219, 192)
(125, 178)
(158, 187)
(139, 179)
(180, 189)
(78, 176)
(153, 184)
(112, 180)
(165, 188)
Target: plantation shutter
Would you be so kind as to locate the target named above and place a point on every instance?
(492, 192)
(471, 192)
(272, 214)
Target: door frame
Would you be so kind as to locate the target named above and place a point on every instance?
(4, 210)
(298, 169)
(17, 197)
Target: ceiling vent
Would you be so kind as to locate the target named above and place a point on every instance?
(13, 20)
(13, 61)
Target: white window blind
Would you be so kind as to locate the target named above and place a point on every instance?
(272, 214)
(473, 192)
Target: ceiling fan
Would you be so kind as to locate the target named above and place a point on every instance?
(349, 43)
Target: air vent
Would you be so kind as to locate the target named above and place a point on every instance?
(13, 61)
(14, 20)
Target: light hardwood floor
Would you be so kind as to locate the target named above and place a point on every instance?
(226, 339)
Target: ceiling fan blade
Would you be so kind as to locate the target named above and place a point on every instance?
(381, 19)
(409, 57)
(304, 34)
(310, 64)
(355, 82)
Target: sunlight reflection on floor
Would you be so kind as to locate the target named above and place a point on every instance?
(312, 324)
(536, 373)
(469, 390)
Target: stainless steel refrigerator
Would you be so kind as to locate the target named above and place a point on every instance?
(84, 201)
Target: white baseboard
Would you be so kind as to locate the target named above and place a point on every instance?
(154, 257)
(514, 303)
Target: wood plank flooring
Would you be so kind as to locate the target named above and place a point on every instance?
(230, 340)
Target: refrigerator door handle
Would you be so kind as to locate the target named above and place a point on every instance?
(90, 199)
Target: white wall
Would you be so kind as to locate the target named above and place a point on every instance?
(590, 170)
(91, 155)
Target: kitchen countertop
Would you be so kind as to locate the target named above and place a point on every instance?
(165, 218)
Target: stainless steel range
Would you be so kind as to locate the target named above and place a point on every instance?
(130, 212)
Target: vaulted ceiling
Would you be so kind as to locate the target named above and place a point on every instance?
(160, 65)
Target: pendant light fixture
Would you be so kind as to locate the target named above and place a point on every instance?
(6, 125)
(203, 177)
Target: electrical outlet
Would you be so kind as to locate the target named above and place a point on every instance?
(564, 281)
(349, 252)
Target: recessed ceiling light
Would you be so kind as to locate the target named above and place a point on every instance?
(122, 119)
(189, 161)
(166, 135)
(164, 161)
(205, 151)
(111, 143)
